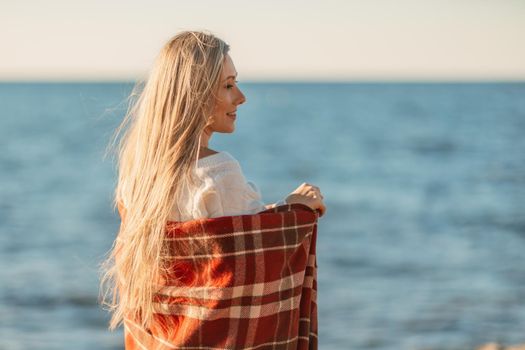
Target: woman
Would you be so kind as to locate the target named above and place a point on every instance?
(166, 170)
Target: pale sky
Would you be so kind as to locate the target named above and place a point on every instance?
(270, 39)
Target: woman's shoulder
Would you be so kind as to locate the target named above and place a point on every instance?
(220, 170)
(217, 162)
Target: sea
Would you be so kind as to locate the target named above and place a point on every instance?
(422, 245)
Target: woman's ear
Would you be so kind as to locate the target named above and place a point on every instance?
(210, 121)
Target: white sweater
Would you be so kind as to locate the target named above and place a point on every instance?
(223, 190)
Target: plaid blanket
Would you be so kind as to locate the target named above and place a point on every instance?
(255, 288)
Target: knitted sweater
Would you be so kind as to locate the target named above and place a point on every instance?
(223, 190)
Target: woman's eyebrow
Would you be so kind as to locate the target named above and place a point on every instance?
(231, 76)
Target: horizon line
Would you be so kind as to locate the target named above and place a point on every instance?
(281, 81)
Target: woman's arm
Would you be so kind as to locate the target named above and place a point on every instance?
(273, 205)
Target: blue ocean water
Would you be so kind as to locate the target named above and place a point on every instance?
(422, 246)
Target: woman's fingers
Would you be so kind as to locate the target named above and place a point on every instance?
(315, 193)
(322, 209)
(311, 196)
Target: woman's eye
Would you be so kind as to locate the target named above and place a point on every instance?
(230, 86)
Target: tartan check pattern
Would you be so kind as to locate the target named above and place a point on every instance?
(254, 287)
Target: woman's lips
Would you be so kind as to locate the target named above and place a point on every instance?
(233, 116)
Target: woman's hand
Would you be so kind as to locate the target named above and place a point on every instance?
(309, 195)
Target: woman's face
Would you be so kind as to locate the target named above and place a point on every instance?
(229, 97)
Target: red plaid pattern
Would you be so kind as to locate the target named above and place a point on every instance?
(255, 288)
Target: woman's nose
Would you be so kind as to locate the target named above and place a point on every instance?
(241, 98)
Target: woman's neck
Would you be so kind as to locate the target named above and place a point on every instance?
(204, 152)
(205, 137)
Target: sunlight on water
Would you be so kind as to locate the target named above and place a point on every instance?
(421, 247)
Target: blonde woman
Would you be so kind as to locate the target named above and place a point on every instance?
(167, 172)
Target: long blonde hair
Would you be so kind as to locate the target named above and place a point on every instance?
(156, 159)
